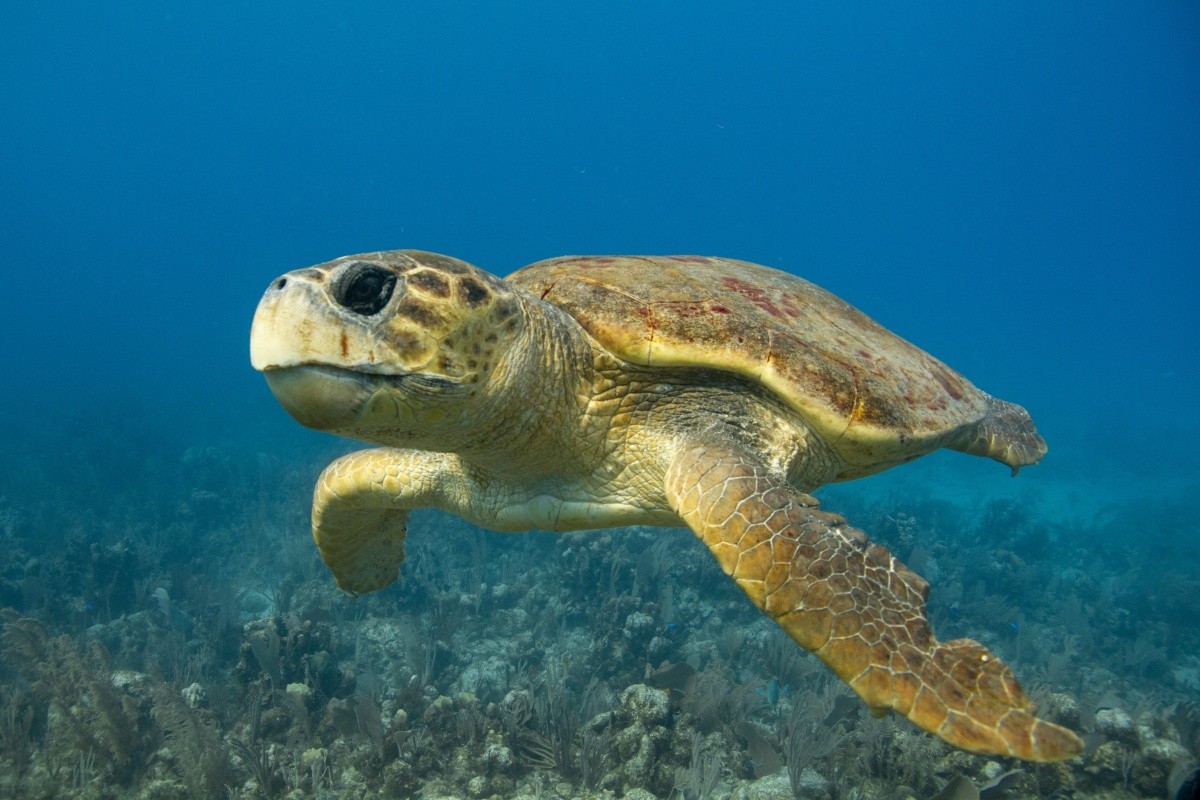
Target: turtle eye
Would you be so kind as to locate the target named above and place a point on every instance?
(364, 288)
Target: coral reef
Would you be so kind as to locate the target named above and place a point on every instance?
(174, 635)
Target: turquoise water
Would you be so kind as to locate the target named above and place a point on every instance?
(1014, 188)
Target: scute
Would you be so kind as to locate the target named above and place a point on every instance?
(876, 398)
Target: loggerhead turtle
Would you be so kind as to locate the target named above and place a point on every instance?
(589, 392)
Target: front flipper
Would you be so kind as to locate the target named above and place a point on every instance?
(855, 606)
(360, 510)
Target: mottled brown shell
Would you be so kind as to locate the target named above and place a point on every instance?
(875, 397)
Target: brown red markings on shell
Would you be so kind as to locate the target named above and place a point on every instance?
(755, 294)
(879, 411)
(950, 382)
(647, 314)
(564, 265)
(688, 259)
(345, 343)
(720, 309)
(789, 306)
(685, 308)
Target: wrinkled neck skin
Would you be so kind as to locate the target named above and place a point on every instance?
(526, 419)
(516, 419)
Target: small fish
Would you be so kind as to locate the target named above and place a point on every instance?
(772, 692)
(678, 677)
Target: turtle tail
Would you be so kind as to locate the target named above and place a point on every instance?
(1005, 433)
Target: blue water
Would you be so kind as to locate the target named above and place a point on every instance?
(1015, 187)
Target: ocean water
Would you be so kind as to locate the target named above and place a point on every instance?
(1013, 187)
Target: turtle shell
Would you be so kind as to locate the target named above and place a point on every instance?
(876, 398)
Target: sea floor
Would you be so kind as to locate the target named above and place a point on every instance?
(175, 635)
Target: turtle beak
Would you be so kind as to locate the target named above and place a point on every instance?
(288, 327)
(301, 346)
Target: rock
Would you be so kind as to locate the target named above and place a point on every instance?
(1116, 726)
(645, 705)
(313, 755)
(1110, 764)
(300, 693)
(639, 630)
(496, 755)
(638, 794)
(1063, 709)
(195, 696)
(778, 786)
(768, 787)
(1153, 765)
(642, 739)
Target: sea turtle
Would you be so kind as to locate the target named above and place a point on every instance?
(589, 392)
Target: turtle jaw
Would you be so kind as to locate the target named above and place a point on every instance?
(389, 410)
(320, 397)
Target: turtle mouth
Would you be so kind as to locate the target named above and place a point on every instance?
(323, 397)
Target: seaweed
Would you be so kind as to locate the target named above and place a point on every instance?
(494, 666)
(88, 719)
(813, 731)
(699, 779)
(195, 744)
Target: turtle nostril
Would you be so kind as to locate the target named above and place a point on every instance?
(364, 288)
(279, 284)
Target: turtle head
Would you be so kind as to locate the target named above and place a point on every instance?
(387, 347)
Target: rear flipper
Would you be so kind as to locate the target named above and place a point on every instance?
(855, 606)
(1006, 433)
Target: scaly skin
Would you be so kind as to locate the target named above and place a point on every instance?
(855, 606)
(360, 511)
(537, 425)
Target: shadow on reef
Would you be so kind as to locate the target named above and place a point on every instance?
(168, 631)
